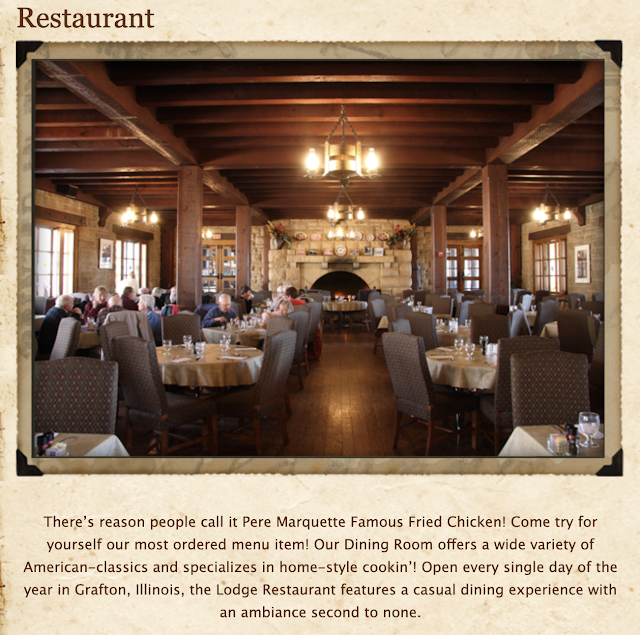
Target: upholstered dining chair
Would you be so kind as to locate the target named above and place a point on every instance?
(549, 388)
(576, 299)
(481, 308)
(518, 324)
(596, 378)
(595, 307)
(424, 325)
(574, 333)
(108, 332)
(541, 293)
(278, 323)
(525, 302)
(463, 311)
(401, 325)
(175, 327)
(267, 397)
(403, 310)
(315, 315)
(378, 310)
(414, 393)
(430, 298)
(150, 406)
(545, 312)
(443, 305)
(66, 343)
(301, 327)
(598, 297)
(497, 407)
(76, 394)
(407, 293)
(420, 296)
(495, 327)
(391, 306)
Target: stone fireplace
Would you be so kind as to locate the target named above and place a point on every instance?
(340, 283)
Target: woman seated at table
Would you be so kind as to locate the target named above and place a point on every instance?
(221, 314)
(284, 309)
(279, 297)
(147, 304)
(291, 294)
(247, 296)
(98, 302)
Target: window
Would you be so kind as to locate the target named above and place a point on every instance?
(131, 255)
(54, 252)
(550, 265)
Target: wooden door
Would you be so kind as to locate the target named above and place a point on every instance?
(464, 266)
(218, 266)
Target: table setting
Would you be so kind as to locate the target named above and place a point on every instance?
(464, 366)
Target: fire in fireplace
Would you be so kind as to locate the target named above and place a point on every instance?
(340, 283)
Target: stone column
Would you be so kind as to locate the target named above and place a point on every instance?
(415, 283)
(243, 246)
(439, 249)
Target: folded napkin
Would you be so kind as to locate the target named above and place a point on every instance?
(446, 349)
(234, 357)
(440, 357)
(245, 348)
(181, 360)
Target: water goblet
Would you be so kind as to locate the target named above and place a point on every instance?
(467, 323)
(470, 348)
(166, 345)
(458, 345)
(589, 424)
(200, 348)
(186, 340)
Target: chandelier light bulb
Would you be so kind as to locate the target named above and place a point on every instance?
(209, 233)
(360, 214)
(331, 214)
(567, 214)
(339, 233)
(330, 234)
(312, 160)
(473, 233)
(372, 160)
(153, 218)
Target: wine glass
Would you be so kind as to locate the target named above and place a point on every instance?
(470, 348)
(186, 340)
(589, 424)
(166, 345)
(225, 341)
(200, 348)
(458, 345)
(467, 323)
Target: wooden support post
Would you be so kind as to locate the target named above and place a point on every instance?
(516, 254)
(189, 258)
(415, 282)
(243, 246)
(495, 222)
(265, 257)
(439, 246)
(168, 256)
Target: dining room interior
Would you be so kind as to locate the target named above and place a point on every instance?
(423, 242)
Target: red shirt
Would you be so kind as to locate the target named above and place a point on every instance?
(297, 302)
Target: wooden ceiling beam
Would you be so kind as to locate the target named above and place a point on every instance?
(167, 73)
(463, 184)
(222, 187)
(346, 93)
(90, 81)
(73, 118)
(82, 133)
(105, 162)
(567, 160)
(59, 99)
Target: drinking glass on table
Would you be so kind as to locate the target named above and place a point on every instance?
(470, 348)
(467, 323)
(589, 424)
(201, 348)
(225, 342)
(458, 345)
(186, 340)
(166, 345)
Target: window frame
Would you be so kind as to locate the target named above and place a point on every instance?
(556, 265)
(64, 229)
(140, 248)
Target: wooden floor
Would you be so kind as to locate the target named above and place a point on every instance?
(345, 409)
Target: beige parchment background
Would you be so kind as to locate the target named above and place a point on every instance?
(24, 501)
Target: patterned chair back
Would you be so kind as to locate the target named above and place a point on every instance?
(443, 305)
(378, 308)
(545, 312)
(496, 327)
(108, 332)
(576, 300)
(424, 325)
(549, 388)
(174, 327)
(429, 298)
(278, 323)
(595, 307)
(77, 394)
(598, 297)
(573, 332)
(238, 306)
(512, 346)
(420, 296)
(140, 378)
(258, 298)
(543, 293)
(463, 313)
(407, 365)
(301, 327)
(400, 326)
(407, 293)
(403, 310)
(390, 306)
(481, 308)
(596, 370)
(66, 343)
(518, 324)
(315, 315)
(279, 350)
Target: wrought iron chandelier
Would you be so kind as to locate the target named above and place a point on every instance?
(130, 216)
(338, 213)
(342, 160)
(544, 213)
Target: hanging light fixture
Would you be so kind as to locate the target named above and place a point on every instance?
(130, 216)
(544, 213)
(338, 213)
(342, 161)
(476, 233)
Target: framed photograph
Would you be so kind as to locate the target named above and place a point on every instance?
(301, 251)
(367, 251)
(583, 264)
(313, 252)
(105, 254)
(378, 251)
(328, 252)
(354, 252)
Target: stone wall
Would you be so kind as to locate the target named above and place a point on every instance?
(87, 275)
(592, 233)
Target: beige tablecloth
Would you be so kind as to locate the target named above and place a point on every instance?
(478, 373)
(550, 329)
(531, 317)
(445, 338)
(344, 307)
(210, 371)
(246, 338)
(88, 339)
(37, 322)
(531, 441)
(92, 444)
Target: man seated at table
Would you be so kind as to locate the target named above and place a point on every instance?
(128, 303)
(114, 304)
(49, 328)
(221, 314)
(147, 303)
(291, 294)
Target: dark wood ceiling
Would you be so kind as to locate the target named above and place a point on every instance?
(108, 127)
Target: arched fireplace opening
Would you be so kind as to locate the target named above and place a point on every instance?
(340, 283)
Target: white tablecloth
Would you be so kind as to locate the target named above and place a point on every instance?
(479, 373)
(531, 441)
(446, 338)
(246, 338)
(344, 307)
(550, 329)
(91, 444)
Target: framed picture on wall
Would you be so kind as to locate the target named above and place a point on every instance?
(583, 264)
(301, 251)
(313, 252)
(367, 251)
(378, 251)
(105, 254)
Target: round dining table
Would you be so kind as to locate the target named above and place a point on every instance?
(239, 366)
(448, 338)
(451, 369)
(249, 337)
(342, 308)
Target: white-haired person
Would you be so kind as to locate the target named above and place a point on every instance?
(147, 304)
(278, 297)
(98, 301)
(49, 328)
(114, 305)
(284, 308)
(220, 314)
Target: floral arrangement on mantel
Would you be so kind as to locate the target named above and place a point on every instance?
(279, 235)
(400, 236)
